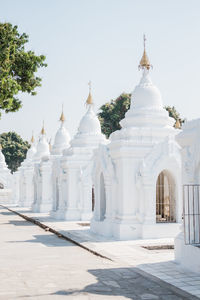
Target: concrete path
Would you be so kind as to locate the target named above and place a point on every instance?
(35, 264)
(159, 263)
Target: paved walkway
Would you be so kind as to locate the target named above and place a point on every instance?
(36, 264)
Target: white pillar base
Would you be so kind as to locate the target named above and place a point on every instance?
(103, 228)
(86, 216)
(187, 255)
(58, 214)
(160, 230)
(72, 215)
(126, 230)
(42, 207)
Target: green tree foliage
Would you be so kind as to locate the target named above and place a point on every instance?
(14, 149)
(174, 114)
(17, 67)
(113, 112)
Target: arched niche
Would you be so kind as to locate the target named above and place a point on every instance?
(102, 198)
(165, 198)
(1, 186)
(57, 195)
(93, 198)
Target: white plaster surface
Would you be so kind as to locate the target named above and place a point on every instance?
(189, 255)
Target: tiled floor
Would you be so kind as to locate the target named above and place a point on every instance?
(175, 275)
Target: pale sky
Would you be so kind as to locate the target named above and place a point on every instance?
(101, 41)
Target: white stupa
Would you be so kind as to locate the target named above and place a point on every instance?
(89, 131)
(31, 151)
(24, 175)
(5, 181)
(30, 154)
(62, 138)
(61, 142)
(75, 198)
(42, 149)
(3, 165)
(137, 177)
(42, 169)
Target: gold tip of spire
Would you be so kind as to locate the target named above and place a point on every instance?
(62, 116)
(32, 139)
(1, 147)
(89, 98)
(144, 62)
(177, 124)
(43, 131)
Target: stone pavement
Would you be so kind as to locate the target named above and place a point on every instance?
(37, 264)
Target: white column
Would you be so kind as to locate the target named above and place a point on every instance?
(149, 204)
(127, 193)
(46, 196)
(86, 200)
(72, 212)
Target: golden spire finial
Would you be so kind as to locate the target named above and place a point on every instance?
(89, 100)
(177, 124)
(144, 62)
(43, 131)
(32, 138)
(1, 147)
(62, 117)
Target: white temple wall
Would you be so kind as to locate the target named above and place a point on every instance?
(36, 186)
(56, 184)
(46, 197)
(85, 186)
(26, 187)
(72, 211)
(6, 192)
(43, 192)
(105, 190)
(76, 185)
(134, 205)
(15, 188)
(61, 204)
(187, 253)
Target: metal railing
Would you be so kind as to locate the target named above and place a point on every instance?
(191, 213)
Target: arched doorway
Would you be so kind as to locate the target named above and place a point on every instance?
(93, 199)
(165, 198)
(57, 195)
(102, 198)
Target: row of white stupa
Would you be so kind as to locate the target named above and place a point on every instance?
(50, 180)
(134, 180)
(119, 176)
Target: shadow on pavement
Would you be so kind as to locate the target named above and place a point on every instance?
(6, 213)
(21, 223)
(48, 240)
(129, 283)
